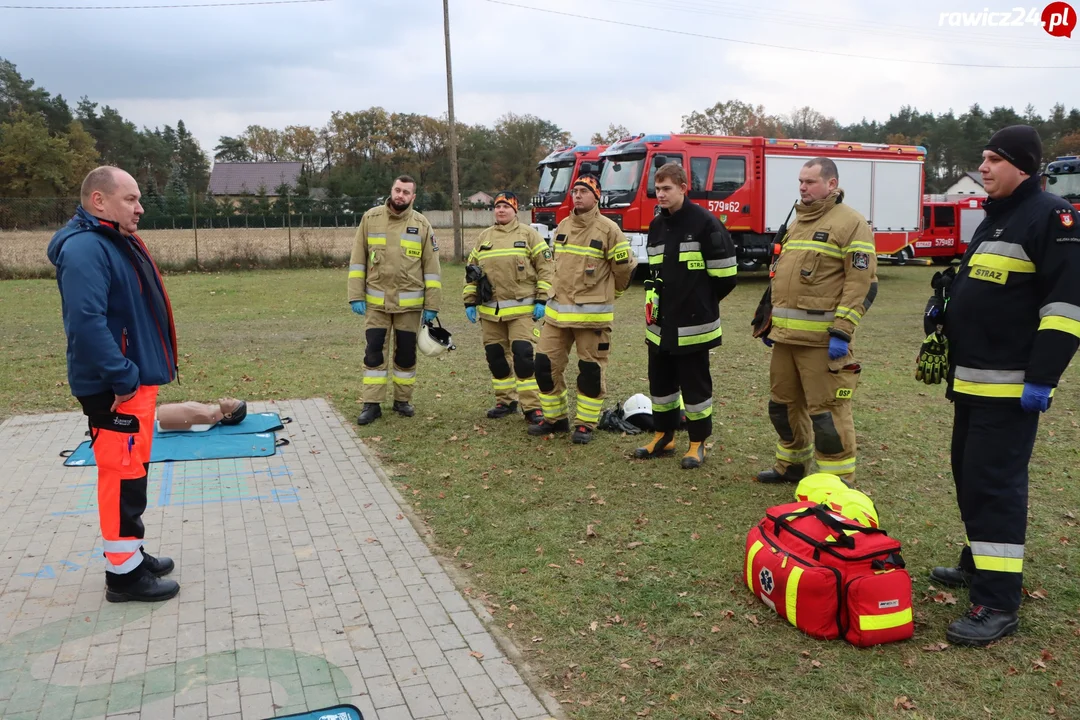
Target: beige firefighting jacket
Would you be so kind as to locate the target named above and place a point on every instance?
(395, 262)
(593, 266)
(826, 275)
(519, 265)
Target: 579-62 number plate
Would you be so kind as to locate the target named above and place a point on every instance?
(724, 206)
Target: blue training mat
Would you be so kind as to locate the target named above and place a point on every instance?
(338, 712)
(217, 443)
(193, 446)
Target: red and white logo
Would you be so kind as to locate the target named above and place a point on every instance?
(1066, 219)
(1059, 19)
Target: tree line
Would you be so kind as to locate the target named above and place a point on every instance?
(46, 147)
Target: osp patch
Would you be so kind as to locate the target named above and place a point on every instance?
(860, 261)
(1066, 218)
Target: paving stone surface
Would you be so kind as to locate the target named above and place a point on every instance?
(302, 585)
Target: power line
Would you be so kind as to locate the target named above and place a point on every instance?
(160, 7)
(783, 47)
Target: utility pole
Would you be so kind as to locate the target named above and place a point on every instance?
(455, 192)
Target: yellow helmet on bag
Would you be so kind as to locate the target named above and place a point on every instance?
(816, 487)
(828, 489)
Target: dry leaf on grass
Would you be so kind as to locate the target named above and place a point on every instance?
(903, 703)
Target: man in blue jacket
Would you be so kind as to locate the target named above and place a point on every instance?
(121, 345)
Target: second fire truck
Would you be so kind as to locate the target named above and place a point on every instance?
(752, 183)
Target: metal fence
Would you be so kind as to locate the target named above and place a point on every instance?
(215, 235)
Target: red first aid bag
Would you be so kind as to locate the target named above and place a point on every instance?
(828, 576)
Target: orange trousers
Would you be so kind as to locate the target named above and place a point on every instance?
(121, 443)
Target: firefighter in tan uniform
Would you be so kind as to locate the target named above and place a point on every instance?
(394, 281)
(824, 281)
(593, 266)
(506, 286)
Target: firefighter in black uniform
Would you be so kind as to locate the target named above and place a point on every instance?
(691, 269)
(1005, 327)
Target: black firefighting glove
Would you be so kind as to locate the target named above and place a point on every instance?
(934, 314)
(933, 363)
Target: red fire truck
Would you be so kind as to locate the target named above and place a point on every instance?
(751, 184)
(948, 225)
(1062, 177)
(558, 170)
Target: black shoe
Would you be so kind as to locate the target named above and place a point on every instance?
(501, 411)
(158, 567)
(144, 588)
(952, 577)
(793, 474)
(404, 408)
(982, 626)
(582, 435)
(534, 417)
(370, 413)
(544, 427)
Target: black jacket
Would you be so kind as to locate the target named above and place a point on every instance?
(692, 268)
(1013, 314)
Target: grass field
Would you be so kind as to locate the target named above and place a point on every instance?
(647, 616)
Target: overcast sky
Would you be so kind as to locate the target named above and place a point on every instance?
(221, 69)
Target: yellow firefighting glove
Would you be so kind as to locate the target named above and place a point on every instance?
(933, 361)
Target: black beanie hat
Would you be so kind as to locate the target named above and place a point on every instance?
(1020, 145)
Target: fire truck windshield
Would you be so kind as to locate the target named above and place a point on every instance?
(622, 175)
(1067, 186)
(555, 179)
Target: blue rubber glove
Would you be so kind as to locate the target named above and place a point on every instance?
(470, 312)
(768, 342)
(538, 311)
(838, 348)
(1036, 398)
(359, 306)
(429, 315)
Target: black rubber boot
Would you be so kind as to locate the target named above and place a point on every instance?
(793, 474)
(158, 567)
(369, 414)
(501, 411)
(404, 408)
(582, 435)
(952, 577)
(547, 428)
(534, 417)
(140, 585)
(982, 626)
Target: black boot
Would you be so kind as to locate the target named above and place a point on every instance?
(793, 474)
(500, 410)
(534, 417)
(158, 567)
(140, 585)
(982, 626)
(370, 413)
(545, 427)
(953, 577)
(582, 435)
(404, 408)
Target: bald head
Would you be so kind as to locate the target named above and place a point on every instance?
(109, 193)
(100, 179)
